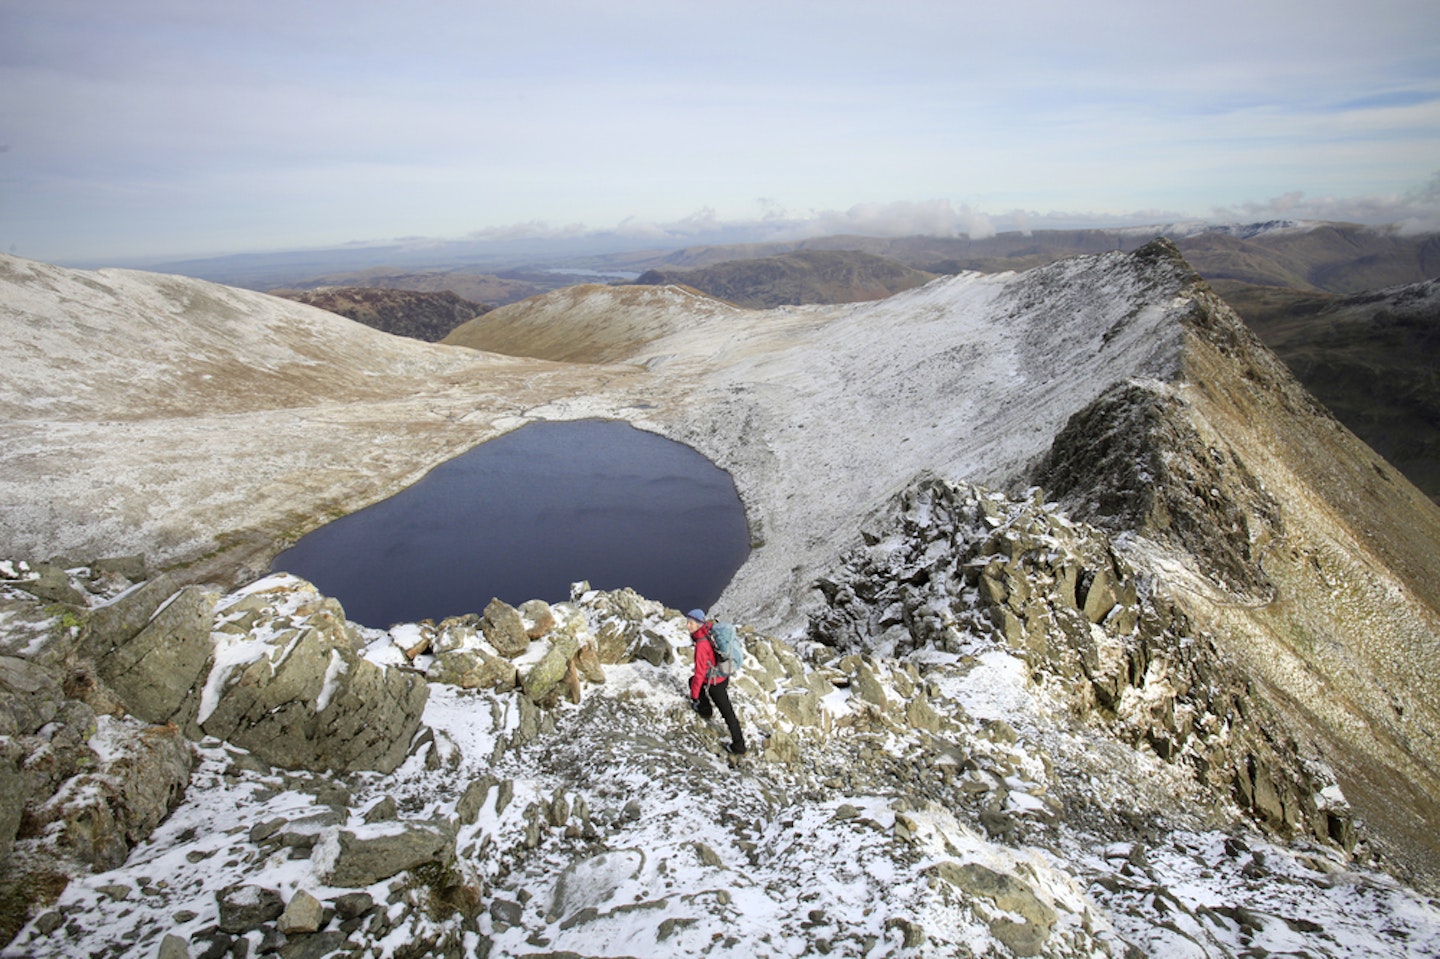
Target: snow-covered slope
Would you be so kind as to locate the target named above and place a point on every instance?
(822, 414)
(188, 421)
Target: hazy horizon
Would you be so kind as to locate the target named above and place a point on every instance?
(163, 129)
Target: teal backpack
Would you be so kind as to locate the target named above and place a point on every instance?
(729, 651)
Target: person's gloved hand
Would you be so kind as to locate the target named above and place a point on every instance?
(695, 705)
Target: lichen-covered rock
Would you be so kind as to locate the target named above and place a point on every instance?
(29, 696)
(303, 914)
(504, 629)
(473, 669)
(543, 680)
(617, 619)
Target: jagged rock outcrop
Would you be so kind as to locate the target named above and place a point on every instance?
(960, 562)
(1301, 552)
(291, 686)
(159, 670)
(910, 795)
(101, 699)
(1131, 461)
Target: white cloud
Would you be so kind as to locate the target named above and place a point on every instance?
(905, 218)
(1414, 211)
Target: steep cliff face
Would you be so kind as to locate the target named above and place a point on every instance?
(1308, 556)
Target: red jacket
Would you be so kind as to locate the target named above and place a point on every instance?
(704, 659)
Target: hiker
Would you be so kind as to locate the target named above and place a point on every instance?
(707, 688)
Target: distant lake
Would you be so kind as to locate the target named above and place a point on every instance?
(525, 515)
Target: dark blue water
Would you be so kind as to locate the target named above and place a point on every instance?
(523, 516)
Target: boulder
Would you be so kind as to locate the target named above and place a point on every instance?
(308, 700)
(303, 914)
(97, 816)
(29, 696)
(1102, 596)
(114, 623)
(920, 714)
(244, 907)
(51, 584)
(131, 568)
(538, 617)
(159, 671)
(473, 669)
(650, 647)
(590, 883)
(1010, 895)
(544, 681)
(619, 618)
(504, 629)
(801, 707)
(587, 661)
(350, 859)
(867, 685)
(173, 947)
(58, 750)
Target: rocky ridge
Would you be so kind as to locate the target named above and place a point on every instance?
(1249, 535)
(999, 735)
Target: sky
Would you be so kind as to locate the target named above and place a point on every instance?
(134, 128)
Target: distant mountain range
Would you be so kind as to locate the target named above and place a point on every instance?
(1338, 302)
(1332, 257)
(802, 276)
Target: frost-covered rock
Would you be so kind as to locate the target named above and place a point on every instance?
(958, 563)
(949, 801)
(293, 687)
(363, 857)
(505, 628)
(136, 776)
(159, 671)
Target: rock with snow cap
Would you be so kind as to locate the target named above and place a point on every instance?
(303, 914)
(244, 907)
(504, 629)
(542, 681)
(296, 692)
(357, 858)
(158, 673)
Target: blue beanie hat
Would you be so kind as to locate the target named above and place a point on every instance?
(697, 614)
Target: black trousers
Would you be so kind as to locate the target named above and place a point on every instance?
(719, 694)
